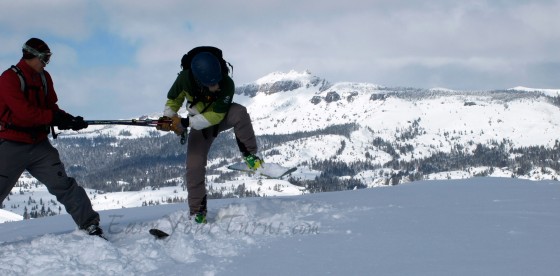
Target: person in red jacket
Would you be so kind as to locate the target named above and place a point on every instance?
(28, 112)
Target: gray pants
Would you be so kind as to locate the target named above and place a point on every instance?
(42, 161)
(198, 146)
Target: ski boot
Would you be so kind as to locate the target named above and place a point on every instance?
(95, 230)
(198, 217)
(253, 161)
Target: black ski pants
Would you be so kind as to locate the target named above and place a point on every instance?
(42, 161)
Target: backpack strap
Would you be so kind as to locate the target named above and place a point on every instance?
(2, 123)
(23, 87)
(45, 86)
(22, 82)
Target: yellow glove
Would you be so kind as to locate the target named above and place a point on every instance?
(164, 123)
(176, 125)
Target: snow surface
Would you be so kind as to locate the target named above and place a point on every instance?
(478, 226)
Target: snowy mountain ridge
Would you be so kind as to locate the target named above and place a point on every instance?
(300, 101)
(548, 92)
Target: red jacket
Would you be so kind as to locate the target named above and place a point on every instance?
(34, 112)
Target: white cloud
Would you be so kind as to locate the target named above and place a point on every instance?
(63, 18)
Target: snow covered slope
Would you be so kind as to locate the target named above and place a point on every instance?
(7, 216)
(480, 226)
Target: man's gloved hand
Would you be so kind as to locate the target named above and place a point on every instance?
(65, 121)
(62, 120)
(178, 124)
(79, 123)
(164, 123)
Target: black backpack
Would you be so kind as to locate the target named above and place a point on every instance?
(188, 57)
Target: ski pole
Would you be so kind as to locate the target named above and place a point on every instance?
(133, 122)
(136, 122)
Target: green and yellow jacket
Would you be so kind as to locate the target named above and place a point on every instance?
(204, 107)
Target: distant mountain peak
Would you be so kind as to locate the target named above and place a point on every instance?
(292, 75)
(281, 82)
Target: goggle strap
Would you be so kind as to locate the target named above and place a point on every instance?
(44, 57)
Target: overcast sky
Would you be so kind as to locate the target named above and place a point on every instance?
(117, 59)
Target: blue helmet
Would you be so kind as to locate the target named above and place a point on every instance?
(206, 69)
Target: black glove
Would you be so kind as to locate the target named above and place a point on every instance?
(62, 120)
(79, 123)
(66, 121)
